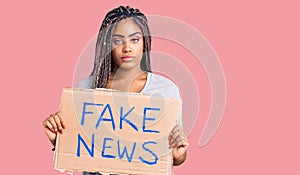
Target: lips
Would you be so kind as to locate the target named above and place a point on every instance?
(127, 58)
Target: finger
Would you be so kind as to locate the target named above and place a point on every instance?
(45, 123)
(182, 150)
(170, 136)
(48, 125)
(180, 140)
(183, 143)
(53, 123)
(176, 134)
(175, 129)
(62, 120)
(58, 122)
(176, 139)
(170, 142)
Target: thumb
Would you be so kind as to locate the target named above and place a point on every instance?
(181, 150)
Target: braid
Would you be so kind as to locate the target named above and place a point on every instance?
(103, 63)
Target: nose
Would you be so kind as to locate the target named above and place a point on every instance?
(127, 47)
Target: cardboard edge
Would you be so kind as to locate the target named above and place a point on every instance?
(65, 89)
(70, 89)
(58, 135)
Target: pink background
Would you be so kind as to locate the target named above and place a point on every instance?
(257, 43)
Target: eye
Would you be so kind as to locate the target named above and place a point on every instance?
(117, 41)
(135, 40)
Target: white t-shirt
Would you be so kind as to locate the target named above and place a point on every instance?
(156, 86)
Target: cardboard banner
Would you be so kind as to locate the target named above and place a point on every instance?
(116, 132)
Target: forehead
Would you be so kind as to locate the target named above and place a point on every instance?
(126, 27)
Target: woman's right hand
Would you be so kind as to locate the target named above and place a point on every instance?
(53, 124)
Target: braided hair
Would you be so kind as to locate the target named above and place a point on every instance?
(104, 64)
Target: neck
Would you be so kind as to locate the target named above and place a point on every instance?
(126, 74)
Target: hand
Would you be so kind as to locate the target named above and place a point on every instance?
(179, 143)
(53, 124)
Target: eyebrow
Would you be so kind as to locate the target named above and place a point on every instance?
(122, 36)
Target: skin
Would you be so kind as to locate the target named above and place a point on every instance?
(127, 40)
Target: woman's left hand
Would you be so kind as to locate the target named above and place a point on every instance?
(179, 143)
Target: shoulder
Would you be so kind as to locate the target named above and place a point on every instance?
(87, 83)
(158, 85)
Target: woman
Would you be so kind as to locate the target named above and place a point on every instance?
(122, 62)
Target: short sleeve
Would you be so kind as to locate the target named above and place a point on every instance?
(159, 86)
(87, 83)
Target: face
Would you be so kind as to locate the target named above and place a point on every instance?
(127, 45)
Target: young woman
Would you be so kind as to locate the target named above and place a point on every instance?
(122, 62)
